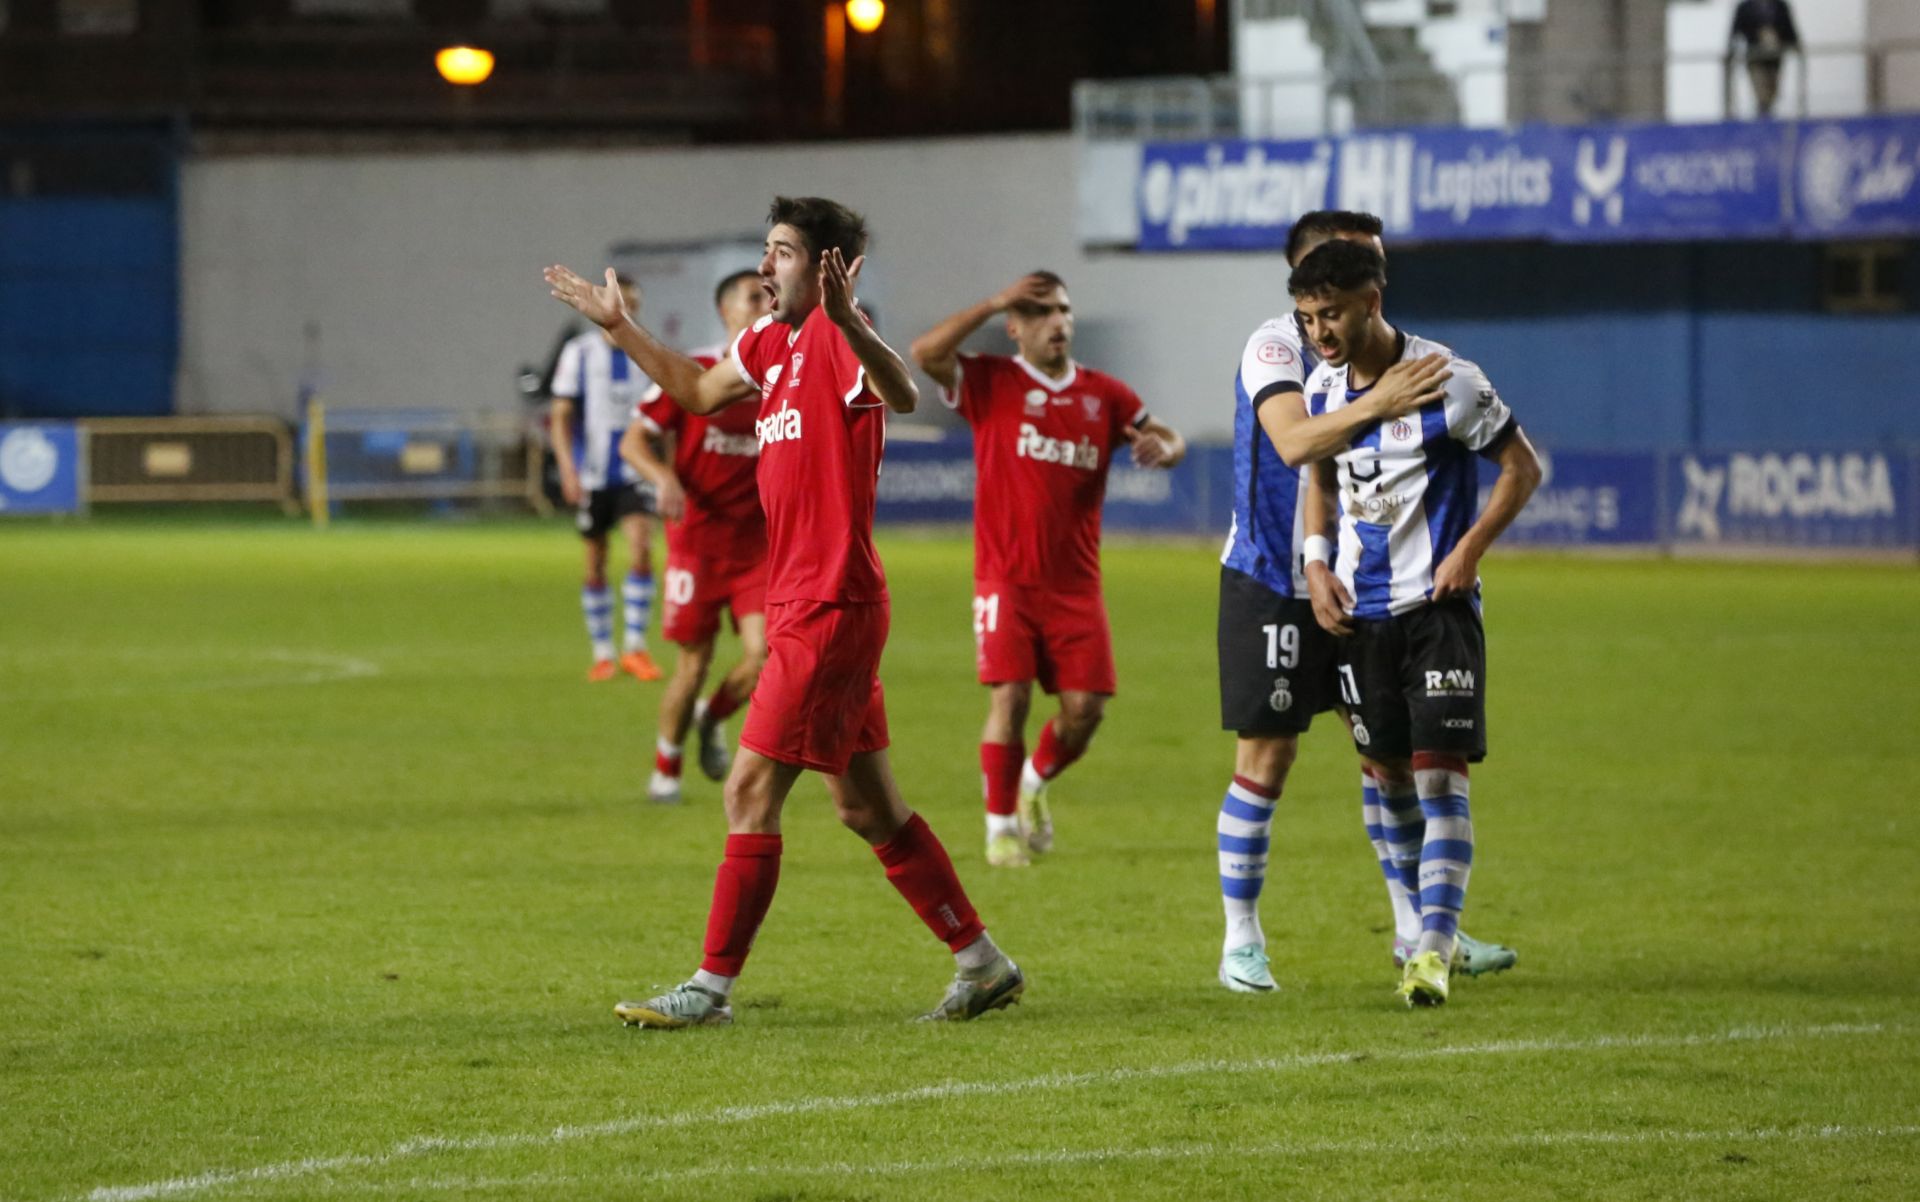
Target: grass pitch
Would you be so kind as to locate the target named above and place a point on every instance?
(321, 868)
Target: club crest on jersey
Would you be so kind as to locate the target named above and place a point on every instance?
(1276, 353)
(1037, 446)
(779, 426)
(1402, 430)
(1036, 401)
(1091, 404)
(793, 372)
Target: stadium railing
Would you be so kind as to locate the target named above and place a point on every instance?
(176, 459)
(1610, 86)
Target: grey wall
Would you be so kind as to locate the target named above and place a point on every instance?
(421, 272)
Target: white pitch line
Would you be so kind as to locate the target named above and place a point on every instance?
(199, 1183)
(1080, 1156)
(296, 668)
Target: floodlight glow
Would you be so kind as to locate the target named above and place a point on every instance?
(464, 65)
(865, 15)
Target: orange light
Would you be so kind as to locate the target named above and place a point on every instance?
(865, 15)
(464, 65)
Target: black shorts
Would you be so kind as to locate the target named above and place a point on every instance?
(602, 509)
(1276, 664)
(1418, 682)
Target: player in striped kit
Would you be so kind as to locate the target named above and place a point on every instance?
(1277, 667)
(1404, 590)
(716, 549)
(595, 387)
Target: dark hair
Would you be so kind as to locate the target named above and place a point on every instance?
(1322, 224)
(1051, 279)
(1047, 277)
(726, 285)
(822, 224)
(1338, 266)
(625, 281)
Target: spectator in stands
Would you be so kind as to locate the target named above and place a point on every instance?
(1767, 28)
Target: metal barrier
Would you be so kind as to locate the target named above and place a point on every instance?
(1562, 89)
(190, 459)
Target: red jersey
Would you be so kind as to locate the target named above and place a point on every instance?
(1041, 450)
(715, 457)
(821, 431)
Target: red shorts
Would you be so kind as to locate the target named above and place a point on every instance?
(697, 589)
(1059, 639)
(819, 703)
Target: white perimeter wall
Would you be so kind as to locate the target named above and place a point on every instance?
(422, 272)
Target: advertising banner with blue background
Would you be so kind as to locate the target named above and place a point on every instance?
(42, 468)
(1596, 183)
(1756, 499)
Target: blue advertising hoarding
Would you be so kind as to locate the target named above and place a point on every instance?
(1857, 178)
(1587, 499)
(1596, 183)
(1859, 499)
(42, 468)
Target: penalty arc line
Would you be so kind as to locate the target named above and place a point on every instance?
(200, 1183)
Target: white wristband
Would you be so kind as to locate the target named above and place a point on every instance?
(1317, 549)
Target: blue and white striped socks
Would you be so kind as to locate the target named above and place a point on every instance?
(1246, 819)
(1446, 853)
(597, 604)
(637, 593)
(1373, 812)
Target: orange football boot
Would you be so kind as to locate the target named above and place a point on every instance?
(640, 665)
(602, 670)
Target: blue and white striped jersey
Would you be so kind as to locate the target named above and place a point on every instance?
(604, 385)
(1409, 487)
(1264, 540)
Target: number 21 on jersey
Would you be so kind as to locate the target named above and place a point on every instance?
(986, 614)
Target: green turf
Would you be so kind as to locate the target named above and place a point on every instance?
(317, 848)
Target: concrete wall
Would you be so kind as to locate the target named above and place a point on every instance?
(422, 276)
(421, 272)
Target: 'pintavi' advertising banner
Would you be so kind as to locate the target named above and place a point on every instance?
(1791, 498)
(1599, 183)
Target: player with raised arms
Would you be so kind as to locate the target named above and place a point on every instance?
(1403, 592)
(1045, 429)
(716, 548)
(1277, 666)
(825, 380)
(594, 390)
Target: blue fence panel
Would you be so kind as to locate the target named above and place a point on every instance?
(1791, 499)
(42, 468)
(1669, 182)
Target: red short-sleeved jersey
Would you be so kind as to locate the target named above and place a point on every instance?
(1041, 450)
(822, 431)
(716, 456)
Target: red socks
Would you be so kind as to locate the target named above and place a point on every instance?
(742, 891)
(917, 865)
(1000, 764)
(1053, 757)
(721, 705)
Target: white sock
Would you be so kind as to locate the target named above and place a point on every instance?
(1030, 780)
(977, 956)
(1003, 824)
(714, 983)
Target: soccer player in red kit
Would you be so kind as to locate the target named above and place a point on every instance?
(1045, 429)
(716, 548)
(825, 380)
